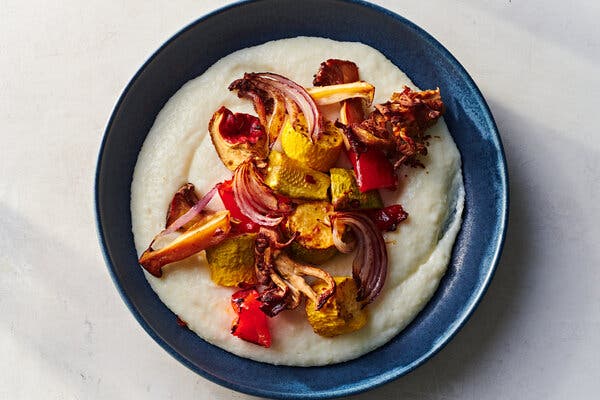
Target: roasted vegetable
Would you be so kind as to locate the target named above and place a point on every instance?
(269, 91)
(239, 222)
(345, 194)
(209, 231)
(410, 114)
(321, 154)
(387, 218)
(278, 221)
(314, 236)
(335, 72)
(290, 178)
(370, 264)
(398, 126)
(352, 111)
(292, 272)
(237, 137)
(184, 199)
(277, 294)
(231, 262)
(255, 199)
(341, 314)
(182, 213)
(373, 170)
(331, 94)
(282, 277)
(371, 167)
(251, 324)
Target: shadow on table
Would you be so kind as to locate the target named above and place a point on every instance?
(48, 291)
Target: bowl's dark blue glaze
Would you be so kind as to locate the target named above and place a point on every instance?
(477, 249)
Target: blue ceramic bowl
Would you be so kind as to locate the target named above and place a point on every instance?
(477, 249)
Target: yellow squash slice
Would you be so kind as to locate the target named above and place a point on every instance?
(341, 314)
(320, 155)
(290, 178)
(345, 194)
(232, 261)
(314, 240)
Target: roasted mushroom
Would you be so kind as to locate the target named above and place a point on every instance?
(331, 94)
(207, 232)
(184, 199)
(283, 277)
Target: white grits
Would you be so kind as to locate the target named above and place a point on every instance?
(178, 149)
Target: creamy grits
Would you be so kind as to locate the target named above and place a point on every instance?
(178, 150)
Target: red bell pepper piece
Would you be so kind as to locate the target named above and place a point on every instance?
(251, 324)
(241, 223)
(240, 127)
(373, 170)
(387, 218)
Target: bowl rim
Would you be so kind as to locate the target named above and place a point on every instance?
(380, 379)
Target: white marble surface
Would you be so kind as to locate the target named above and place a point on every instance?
(66, 334)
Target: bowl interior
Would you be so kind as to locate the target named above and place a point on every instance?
(428, 64)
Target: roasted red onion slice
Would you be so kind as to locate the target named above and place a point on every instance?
(191, 213)
(296, 97)
(255, 199)
(369, 267)
(276, 120)
(338, 241)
